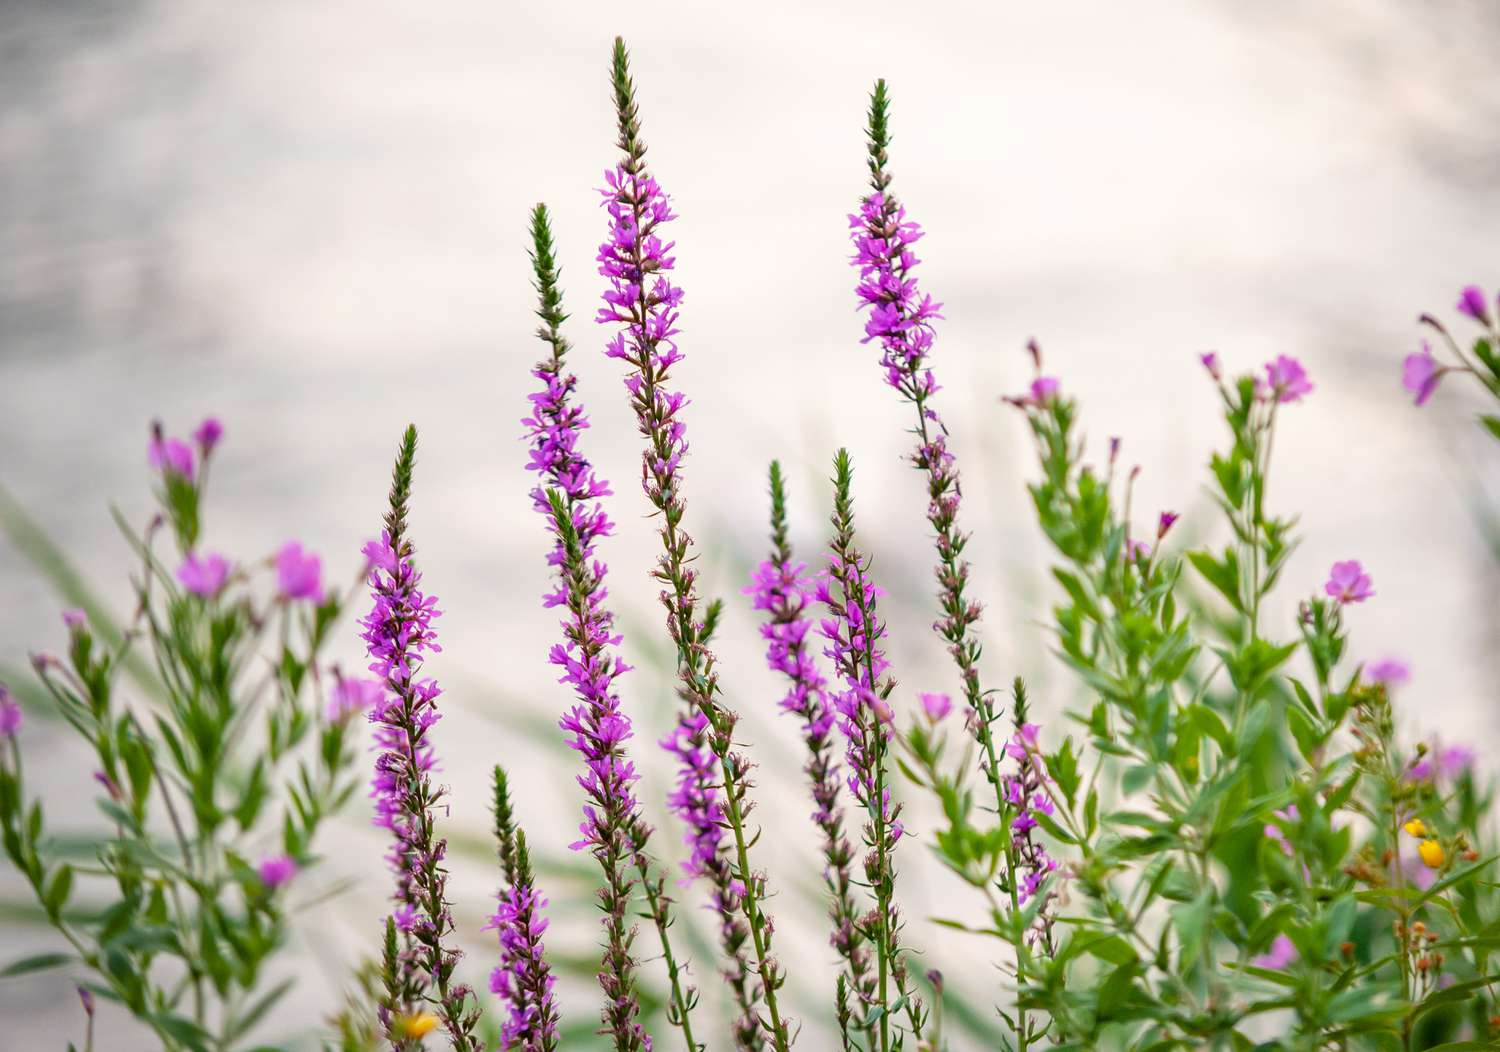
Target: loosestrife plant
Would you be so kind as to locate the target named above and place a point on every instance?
(1224, 843)
(221, 743)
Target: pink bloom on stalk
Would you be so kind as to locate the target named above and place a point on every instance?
(1024, 742)
(299, 573)
(276, 870)
(1137, 549)
(1044, 390)
(10, 714)
(354, 695)
(208, 434)
(1388, 672)
(75, 619)
(1471, 302)
(379, 555)
(1420, 373)
(1211, 363)
(1283, 952)
(1348, 582)
(1165, 523)
(937, 706)
(203, 576)
(1287, 379)
(171, 455)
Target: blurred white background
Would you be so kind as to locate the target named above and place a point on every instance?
(309, 218)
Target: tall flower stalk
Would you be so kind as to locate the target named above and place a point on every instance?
(854, 631)
(523, 978)
(900, 320)
(643, 302)
(613, 829)
(784, 589)
(398, 633)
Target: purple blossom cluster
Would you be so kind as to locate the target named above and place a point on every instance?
(522, 979)
(1422, 372)
(853, 632)
(901, 316)
(1025, 791)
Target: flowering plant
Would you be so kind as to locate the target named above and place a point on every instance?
(222, 742)
(1232, 849)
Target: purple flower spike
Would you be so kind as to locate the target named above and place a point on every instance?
(299, 574)
(1027, 792)
(568, 494)
(642, 303)
(523, 979)
(203, 576)
(1421, 374)
(398, 636)
(1287, 380)
(1473, 303)
(784, 591)
(10, 714)
(276, 871)
(1348, 583)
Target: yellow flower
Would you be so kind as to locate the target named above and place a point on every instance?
(417, 1025)
(1432, 853)
(1415, 827)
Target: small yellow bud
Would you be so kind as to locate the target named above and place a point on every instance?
(1432, 853)
(417, 1025)
(1415, 827)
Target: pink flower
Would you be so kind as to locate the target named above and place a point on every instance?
(354, 695)
(208, 434)
(1282, 953)
(937, 706)
(1165, 523)
(1455, 760)
(1348, 582)
(10, 714)
(1420, 373)
(1389, 672)
(1287, 379)
(299, 574)
(1137, 549)
(1211, 363)
(205, 576)
(1044, 390)
(75, 619)
(171, 455)
(276, 870)
(1471, 302)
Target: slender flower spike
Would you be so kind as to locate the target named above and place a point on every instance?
(1348, 583)
(522, 979)
(398, 634)
(1472, 302)
(643, 303)
(10, 714)
(203, 575)
(568, 494)
(299, 574)
(854, 633)
(784, 591)
(1420, 374)
(1287, 380)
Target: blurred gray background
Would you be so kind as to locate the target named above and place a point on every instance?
(308, 218)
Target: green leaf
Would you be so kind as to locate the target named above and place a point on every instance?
(1492, 425)
(58, 890)
(38, 963)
